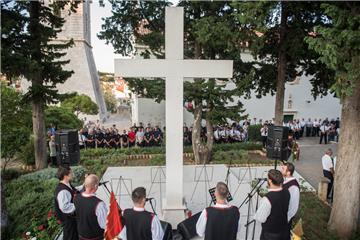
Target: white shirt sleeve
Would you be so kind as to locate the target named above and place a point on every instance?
(156, 229)
(294, 201)
(201, 224)
(122, 234)
(101, 214)
(64, 200)
(264, 210)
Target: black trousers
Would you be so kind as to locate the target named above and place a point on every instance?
(274, 236)
(330, 192)
(308, 131)
(323, 136)
(263, 139)
(70, 229)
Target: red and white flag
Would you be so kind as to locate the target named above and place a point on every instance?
(113, 221)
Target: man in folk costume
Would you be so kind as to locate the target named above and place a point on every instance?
(91, 211)
(139, 223)
(273, 210)
(292, 185)
(64, 203)
(220, 221)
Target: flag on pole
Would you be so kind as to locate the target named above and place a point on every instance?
(113, 221)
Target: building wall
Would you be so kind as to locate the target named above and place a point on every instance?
(299, 92)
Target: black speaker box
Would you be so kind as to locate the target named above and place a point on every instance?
(187, 228)
(67, 147)
(277, 141)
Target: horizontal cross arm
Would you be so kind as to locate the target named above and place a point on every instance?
(174, 68)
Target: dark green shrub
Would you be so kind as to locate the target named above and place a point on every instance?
(10, 174)
(27, 153)
(158, 160)
(254, 134)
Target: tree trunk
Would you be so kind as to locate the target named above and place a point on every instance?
(38, 121)
(196, 140)
(210, 139)
(281, 67)
(345, 213)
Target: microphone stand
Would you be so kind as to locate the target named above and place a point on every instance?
(247, 200)
(228, 173)
(152, 207)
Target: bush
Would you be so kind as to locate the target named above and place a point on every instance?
(237, 146)
(254, 134)
(28, 202)
(27, 153)
(50, 173)
(157, 160)
(30, 197)
(10, 174)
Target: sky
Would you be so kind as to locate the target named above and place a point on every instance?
(104, 54)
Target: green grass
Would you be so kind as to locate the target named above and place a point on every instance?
(315, 215)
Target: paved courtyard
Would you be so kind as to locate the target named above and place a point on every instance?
(309, 165)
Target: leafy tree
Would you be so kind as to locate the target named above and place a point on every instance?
(28, 50)
(81, 104)
(276, 35)
(339, 46)
(15, 123)
(210, 32)
(62, 118)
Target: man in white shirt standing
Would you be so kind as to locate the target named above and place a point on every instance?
(91, 212)
(329, 172)
(64, 204)
(324, 132)
(273, 210)
(139, 223)
(264, 134)
(292, 185)
(220, 221)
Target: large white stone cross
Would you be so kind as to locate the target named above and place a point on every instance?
(174, 69)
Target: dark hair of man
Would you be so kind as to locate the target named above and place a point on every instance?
(276, 177)
(290, 167)
(138, 194)
(222, 190)
(63, 171)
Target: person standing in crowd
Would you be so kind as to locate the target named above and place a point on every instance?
(124, 139)
(324, 133)
(64, 203)
(157, 136)
(132, 137)
(148, 137)
(139, 223)
(332, 132)
(90, 141)
(273, 210)
(302, 127)
(329, 172)
(221, 221)
(82, 139)
(292, 185)
(52, 148)
(316, 128)
(264, 134)
(90, 211)
(140, 137)
(186, 136)
(309, 127)
(107, 139)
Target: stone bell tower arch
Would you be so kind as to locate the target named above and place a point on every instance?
(85, 79)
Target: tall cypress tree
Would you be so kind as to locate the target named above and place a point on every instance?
(210, 32)
(29, 50)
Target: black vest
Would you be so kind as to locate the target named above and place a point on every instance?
(138, 224)
(58, 213)
(222, 223)
(277, 221)
(291, 183)
(88, 226)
